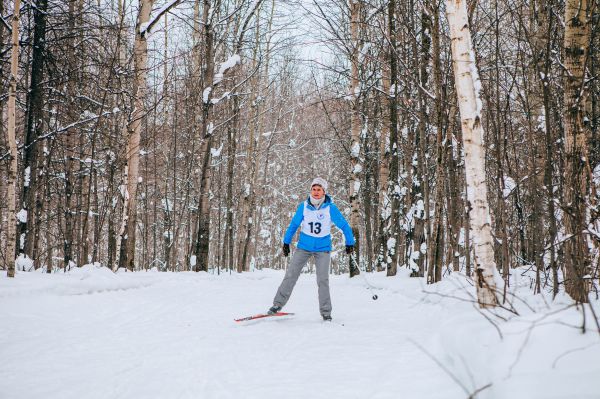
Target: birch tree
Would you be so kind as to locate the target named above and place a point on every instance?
(12, 143)
(126, 254)
(355, 127)
(467, 91)
(577, 170)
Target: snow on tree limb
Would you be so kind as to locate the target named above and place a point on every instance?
(147, 27)
(232, 61)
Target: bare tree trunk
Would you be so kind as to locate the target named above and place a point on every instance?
(496, 120)
(576, 172)
(253, 157)
(70, 144)
(134, 128)
(393, 185)
(425, 54)
(467, 90)
(203, 233)
(355, 127)
(255, 214)
(4, 78)
(228, 240)
(30, 197)
(384, 202)
(422, 228)
(455, 208)
(537, 127)
(45, 167)
(248, 181)
(549, 142)
(122, 33)
(12, 144)
(436, 245)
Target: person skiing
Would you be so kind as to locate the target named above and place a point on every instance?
(314, 216)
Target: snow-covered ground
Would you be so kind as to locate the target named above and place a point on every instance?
(90, 333)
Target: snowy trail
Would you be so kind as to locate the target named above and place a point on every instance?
(173, 336)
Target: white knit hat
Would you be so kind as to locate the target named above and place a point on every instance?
(321, 182)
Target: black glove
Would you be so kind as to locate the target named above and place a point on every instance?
(349, 249)
(286, 249)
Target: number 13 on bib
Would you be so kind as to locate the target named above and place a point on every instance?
(316, 223)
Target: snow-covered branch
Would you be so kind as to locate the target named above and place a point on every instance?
(147, 27)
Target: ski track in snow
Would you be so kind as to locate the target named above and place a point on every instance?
(93, 334)
(173, 336)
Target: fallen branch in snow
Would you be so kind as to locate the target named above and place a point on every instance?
(449, 373)
(572, 351)
(595, 316)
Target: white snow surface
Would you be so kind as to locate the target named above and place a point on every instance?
(91, 333)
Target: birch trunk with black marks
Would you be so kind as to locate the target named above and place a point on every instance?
(355, 127)
(467, 90)
(11, 184)
(576, 173)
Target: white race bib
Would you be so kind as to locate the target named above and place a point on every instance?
(316, 223)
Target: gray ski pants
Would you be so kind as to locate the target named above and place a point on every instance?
(299, 259)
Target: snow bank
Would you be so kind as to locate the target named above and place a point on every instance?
(533, 348)
(88, 279)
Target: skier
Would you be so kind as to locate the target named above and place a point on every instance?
(315, 216)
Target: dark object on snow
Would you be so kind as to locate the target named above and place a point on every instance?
(286, 249)
(326, 317)
(274, 309)
(375, 297)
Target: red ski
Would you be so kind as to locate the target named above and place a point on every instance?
(263, 315)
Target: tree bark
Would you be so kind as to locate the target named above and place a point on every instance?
(576, 172)
(254, 144)
(422, 223)
(550, 148)
(393, 186)
(355, 127)
(11, 230)
(29, 195)
(384, 202)
(70, 144)
(436, 240)
(203, 233)
(134, 128)
(467, 90)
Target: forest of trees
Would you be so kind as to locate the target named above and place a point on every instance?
(456, 135)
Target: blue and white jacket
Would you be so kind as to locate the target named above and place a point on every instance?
(315, 233)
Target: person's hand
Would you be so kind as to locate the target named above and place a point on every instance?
(349, 249)
(286, 249)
